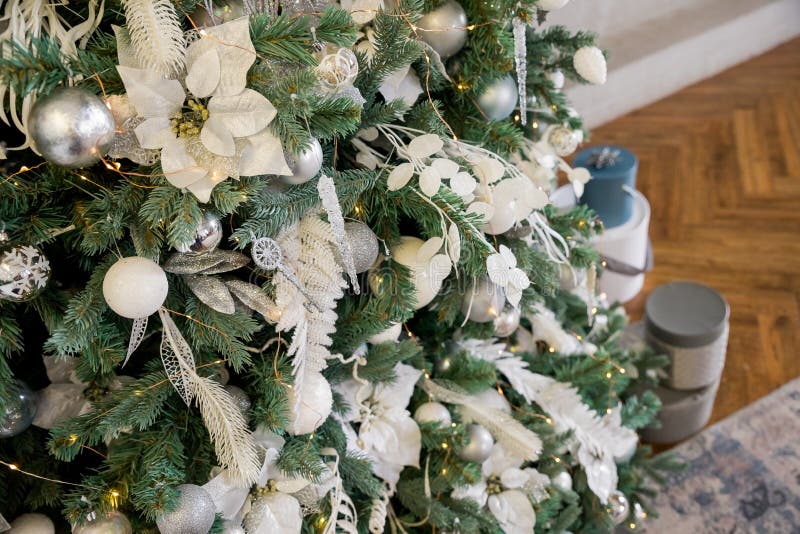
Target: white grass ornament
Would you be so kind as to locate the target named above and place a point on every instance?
(590, 64)
(135, 287)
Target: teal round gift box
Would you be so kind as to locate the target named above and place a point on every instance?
(612, 169)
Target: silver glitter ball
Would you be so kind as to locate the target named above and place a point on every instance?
(24, 271)
(618, 507)
(207, 235)
(563, 140)
(483, 302)
(194, 513)
(562, 481)
(305, 165)
(363, 245)
(17, 415)
(71, 127)
(499, 99)
(240, 399)
(113, 523)
(507, 322)
(221, 13)
(444, 28)
(480, 444)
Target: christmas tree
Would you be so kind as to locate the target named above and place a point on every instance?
(274, 266)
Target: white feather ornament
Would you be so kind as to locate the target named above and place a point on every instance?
(156, 35)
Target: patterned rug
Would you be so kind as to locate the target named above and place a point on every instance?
(743, 474)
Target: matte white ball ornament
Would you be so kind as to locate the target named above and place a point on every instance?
(426, 274)
(483, 302)
(499, 99)
(32, 524)
(315, 405)
(562, 481)
(390, 334)
(135, 287)
(444, 28)
(430, 412)
(306, 164)
(590, 64)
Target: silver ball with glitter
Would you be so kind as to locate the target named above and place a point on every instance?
(207, 235)
(113, 523)
(24, 272)
(71, 127)
(17, 414)
(480, 444)
(305, 165)
(444, 28)
(618, 507)
(194, 513)
(499, 99)
(240, 399)
(363, 245)
(563, 140)
(507, 322)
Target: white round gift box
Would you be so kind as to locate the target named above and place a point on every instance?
(626, 244)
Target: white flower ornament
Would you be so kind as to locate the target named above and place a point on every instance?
(503, 271)
(202, 145)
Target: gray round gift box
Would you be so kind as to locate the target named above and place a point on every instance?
(682, 413)
(689, 322)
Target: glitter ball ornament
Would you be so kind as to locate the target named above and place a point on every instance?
(207, 235)
(314, 407)
(32, 524)
(17, 415)
(240, 399)
(306, 164)
(483, 302)
(113, 523)
(24, 271)
(618, 507)
(135, 287)
(71, 127)
(429, 412)
(363, 245)
(507, 322)
(563, 140)
(337, 70)
(590, 64)
(480, 444)
(562, 480)
(221, 13)
(444, 28)
(499, 99)
(194, 513)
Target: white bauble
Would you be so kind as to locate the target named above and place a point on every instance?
(483, 302)
(590, 64)
(314, 407)
(499, 99)
(32, 524)
(429, 412)
(444, 28)
(427, 281)
(113, 523)
(390, 334)
(551, 5)
(305, 165)
(562, 481)
(556, 77)
(135, 287)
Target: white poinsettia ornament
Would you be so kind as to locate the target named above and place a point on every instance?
(503, 271)
(203, 143)
(387, 433)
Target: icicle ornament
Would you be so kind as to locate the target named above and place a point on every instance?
(521, 61)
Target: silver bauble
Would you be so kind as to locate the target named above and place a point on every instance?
(113, 523)
(562, 481)
(306, 164)
(480, 444)
(240, 399)
(194, 513)
(483, 302)
(363, 245)
(444, 28)
(24, 271)
(563, 140)
(17, 415)
(499, 99)
(220, 374)
(507, 322)
(222, 12)
(207, 235)
(429, 412)
(71, 127)
(618, 507)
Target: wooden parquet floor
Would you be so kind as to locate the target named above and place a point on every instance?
(720, 165)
